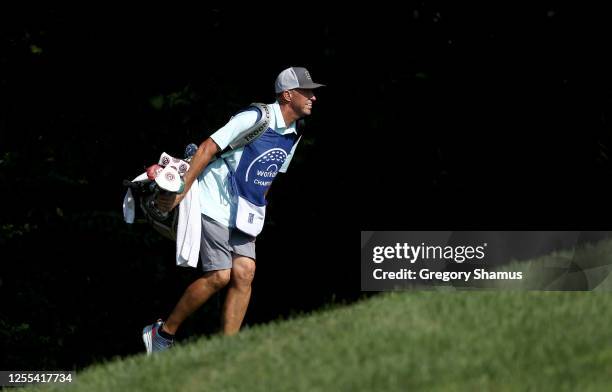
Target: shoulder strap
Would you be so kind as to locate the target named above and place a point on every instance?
(254, 132)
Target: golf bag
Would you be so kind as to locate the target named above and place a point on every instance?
(163, 177)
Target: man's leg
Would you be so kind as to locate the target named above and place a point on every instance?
(238, 294)
(196, 294)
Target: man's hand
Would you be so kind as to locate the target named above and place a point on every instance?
(167, 201)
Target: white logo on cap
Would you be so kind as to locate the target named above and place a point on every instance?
(307, 74)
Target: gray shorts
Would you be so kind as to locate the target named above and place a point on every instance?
(219, 244)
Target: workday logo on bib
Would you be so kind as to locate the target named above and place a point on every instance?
(265, 167)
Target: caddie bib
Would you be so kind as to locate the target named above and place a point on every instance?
(260, 163)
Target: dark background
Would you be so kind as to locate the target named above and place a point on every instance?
(434, 117)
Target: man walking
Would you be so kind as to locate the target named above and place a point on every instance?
(232, 200)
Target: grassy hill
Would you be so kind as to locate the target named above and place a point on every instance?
(418, 340)
(436, 340)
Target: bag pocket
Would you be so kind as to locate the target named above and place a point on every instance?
(249, 217)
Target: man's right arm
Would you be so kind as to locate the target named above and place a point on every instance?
(204, 154)
(206, 151)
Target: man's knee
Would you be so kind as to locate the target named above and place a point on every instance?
(243, 271)
(219, 278)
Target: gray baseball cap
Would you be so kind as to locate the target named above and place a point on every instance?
(294, 77)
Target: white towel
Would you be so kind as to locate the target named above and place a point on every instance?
(189, 229)
(189, 226)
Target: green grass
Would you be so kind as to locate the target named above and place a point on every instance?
(419, 340)
(433, 340)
